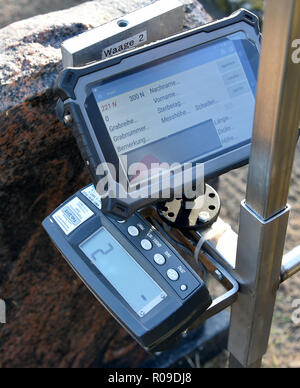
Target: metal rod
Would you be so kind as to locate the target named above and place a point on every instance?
(235, 364)
(290, 264)
(277, 111)
(264, 215)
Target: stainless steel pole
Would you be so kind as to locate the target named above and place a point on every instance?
(264, 214)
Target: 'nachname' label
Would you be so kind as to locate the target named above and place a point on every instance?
(125, 45)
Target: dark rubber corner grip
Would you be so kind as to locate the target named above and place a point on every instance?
(248, 17)
(60, 110)
(65, 84)
(84, 142)
(123, 208)
(68, 78)
(241, 15)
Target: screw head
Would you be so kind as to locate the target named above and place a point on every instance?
(219, 275)
(204, 216)
(184, 334)
(68, 119)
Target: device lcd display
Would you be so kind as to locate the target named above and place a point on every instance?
(187, 108)
(129, 279)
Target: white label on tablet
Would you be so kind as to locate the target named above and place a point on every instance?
(91, 194)
(72, 215)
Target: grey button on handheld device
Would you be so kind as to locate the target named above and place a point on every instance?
(183, 287)
(172, 274)
(159, 259)
(133, 231)
(146, 244)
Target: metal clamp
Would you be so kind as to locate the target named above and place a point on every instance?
(225, 300)
(149, 24)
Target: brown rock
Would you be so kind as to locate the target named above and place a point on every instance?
(53, 320)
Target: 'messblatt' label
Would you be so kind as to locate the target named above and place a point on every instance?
(124, 45)
(72, 215)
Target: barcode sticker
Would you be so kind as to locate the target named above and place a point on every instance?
(72, 215)
(91, 194)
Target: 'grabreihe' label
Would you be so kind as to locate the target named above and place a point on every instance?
(125, 45)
